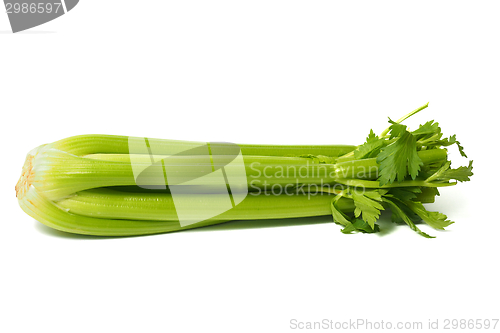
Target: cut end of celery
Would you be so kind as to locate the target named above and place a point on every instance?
(28, 174)
(26, 179)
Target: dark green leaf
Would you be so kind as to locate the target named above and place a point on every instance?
(396, 129)
(453, 140)
(368, 205)
(407, 211)
(397, 211)
(399, 159)
(370, 148)
(429, 127)
(361, 226)
(434, 219)
(461, 174)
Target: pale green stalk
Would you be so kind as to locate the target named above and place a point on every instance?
(75, 214)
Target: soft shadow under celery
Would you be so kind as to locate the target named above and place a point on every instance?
(386, 227)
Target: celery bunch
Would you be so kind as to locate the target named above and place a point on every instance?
(89, 184)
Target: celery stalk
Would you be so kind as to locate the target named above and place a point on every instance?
(96, 185)
(114, 144)
(143, 216)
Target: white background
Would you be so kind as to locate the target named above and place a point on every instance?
(284, 72)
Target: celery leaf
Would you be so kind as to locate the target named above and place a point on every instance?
(398, 211)
(349, 227)
(434, 219)
(462, 174)
(399, 159)
(370, 148)
(361, 226)
(368, 206)
(430, 127)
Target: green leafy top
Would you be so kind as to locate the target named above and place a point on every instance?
(400, 158)
(405, 175)
(403, 203)
(397, 152)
